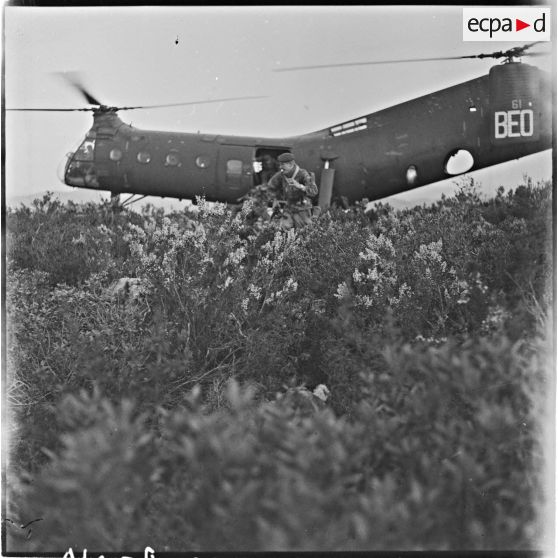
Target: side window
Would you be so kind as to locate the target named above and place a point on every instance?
(458, 162)
(115, 154)
(203, 161)
(144, 157)
(411, 175)
(234, 167)
(172, 160)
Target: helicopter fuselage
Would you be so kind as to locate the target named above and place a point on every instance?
(495, 118)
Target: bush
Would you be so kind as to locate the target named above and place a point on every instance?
(422, 323)
(444, 451)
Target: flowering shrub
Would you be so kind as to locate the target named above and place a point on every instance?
(440, 454)
(155, 418)
(67, 242)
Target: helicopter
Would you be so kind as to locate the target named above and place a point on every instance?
(485, 121)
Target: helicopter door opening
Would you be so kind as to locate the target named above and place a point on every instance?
(80, 168)
(265, 164)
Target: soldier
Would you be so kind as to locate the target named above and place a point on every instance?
(269, 168)
(293, 187)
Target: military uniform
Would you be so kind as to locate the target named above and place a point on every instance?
(296, 202)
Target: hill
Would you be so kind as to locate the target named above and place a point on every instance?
(77, 195)
(400, 201)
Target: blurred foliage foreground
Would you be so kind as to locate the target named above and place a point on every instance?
(173, 414)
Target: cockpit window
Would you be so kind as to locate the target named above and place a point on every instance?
(85, 151)
(80, 166)
(81, 173)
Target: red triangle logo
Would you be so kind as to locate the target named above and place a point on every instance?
(519, 25)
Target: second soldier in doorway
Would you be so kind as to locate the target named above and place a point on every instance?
(269, 168)
(292, 188)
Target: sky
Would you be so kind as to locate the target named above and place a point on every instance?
(151, 55)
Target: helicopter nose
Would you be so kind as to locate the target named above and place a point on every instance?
(80, 173)
(63, 167)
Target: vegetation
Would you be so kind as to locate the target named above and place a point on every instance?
(172, 415)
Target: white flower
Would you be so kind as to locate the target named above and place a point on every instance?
(357, 276)
(79, 240)
(290, 285)
(234, 258)
(254, 291)
(103, 229)
(322, 392)
(365, 300)
(342, 291)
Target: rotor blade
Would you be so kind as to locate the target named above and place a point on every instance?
(191, 103)
(74, 79)
(53, 109)
(369, 62)
(139, 107)
(529, 45)
(536, 54)
(516, 51)
(90, 99)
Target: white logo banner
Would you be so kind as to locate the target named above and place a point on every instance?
(512, 23)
